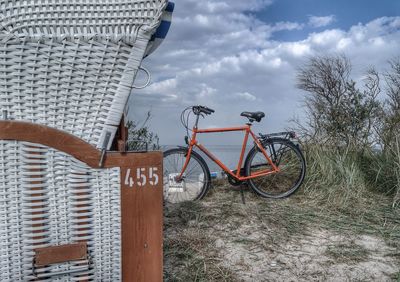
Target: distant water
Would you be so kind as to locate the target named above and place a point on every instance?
(228, 154)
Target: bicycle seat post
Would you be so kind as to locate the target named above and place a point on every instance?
(250, 122)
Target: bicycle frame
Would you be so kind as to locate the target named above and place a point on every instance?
(238, 176)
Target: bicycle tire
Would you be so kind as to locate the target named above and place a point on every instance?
(274, 185)
(196, 180)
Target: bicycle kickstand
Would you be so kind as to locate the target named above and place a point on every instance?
(242, 194)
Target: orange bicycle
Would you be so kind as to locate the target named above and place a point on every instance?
(273, 168)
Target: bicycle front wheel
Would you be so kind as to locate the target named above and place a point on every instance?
(290, 161)
(195, 180)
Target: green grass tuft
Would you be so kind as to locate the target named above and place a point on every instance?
(348, 253)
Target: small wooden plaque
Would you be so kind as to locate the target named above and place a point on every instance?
(60, 254)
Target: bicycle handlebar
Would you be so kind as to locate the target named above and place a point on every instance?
(202, 109)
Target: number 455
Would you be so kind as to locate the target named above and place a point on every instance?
(143, 176)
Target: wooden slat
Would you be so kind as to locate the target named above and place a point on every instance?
(64, 142)
(57, 139)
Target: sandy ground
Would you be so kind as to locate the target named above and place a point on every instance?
(308, 259)
(222, 239)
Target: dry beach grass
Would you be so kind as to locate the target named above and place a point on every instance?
(302, 238)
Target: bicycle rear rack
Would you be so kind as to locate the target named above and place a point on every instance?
(285, 134)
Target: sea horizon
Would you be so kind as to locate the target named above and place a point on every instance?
(228, 154)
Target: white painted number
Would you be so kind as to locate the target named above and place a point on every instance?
(128, 180)
(141, 177)
(153, 174)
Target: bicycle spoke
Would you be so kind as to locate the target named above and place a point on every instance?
(189, 171)
(169, 161)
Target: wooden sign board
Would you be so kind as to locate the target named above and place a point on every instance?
(142, 221)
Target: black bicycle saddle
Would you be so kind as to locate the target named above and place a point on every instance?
(257, 116)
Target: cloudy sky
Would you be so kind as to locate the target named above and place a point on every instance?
(235, 55)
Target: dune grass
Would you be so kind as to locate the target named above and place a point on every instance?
(193, 230)
(357, 191)
(348, 252)
(346, 193)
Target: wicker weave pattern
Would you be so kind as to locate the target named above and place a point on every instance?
(72, 65)
(49, 198)
(80, 17)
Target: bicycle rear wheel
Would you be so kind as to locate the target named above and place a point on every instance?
(287, 157)
(196, 178)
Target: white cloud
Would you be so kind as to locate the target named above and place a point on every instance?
(206, 92)
(344, 43)
(246, 96)
(279, 26)
(327, 37)
(297, 49)
(315, 21)
(219, 55)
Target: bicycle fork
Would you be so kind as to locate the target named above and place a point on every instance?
(180, 177)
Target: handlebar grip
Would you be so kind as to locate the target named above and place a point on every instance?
(203, 109)
(206, 110)
(211, 110)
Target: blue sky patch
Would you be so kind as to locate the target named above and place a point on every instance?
(347, 13)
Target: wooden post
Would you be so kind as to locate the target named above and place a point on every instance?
(121, 137)
(142, 220)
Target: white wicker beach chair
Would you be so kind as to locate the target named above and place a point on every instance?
(69, 65)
